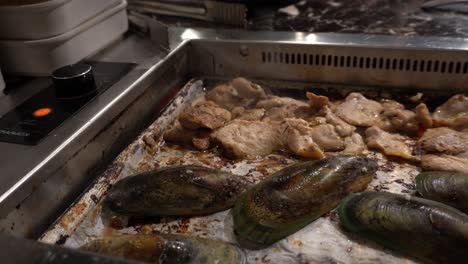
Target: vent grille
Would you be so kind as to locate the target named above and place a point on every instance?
(375, 63)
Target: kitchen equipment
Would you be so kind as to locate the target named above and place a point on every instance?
(41, 57)
(73, 87)
(49, 18)
(298, 61)
(214, 11)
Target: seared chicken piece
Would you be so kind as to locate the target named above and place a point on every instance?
(201, 143)
(224, 95)
(354, 145)
(453, 113)
(248, 90)
(279, 108)
(276, 101)
(423, 115)
(317, 102)
(359, 111)
(250, 115)
(239, 92)
(302, 144)
(404, 121)
(341, 127)
(444, 140)
(180, 134)
(248, 139)
(444, 163)
(205, 115)
(389, 144)
(323, 135)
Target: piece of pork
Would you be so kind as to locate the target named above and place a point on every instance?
(302, 144)
(389, 144)
(359, 111)
(324, 135)
(247, 114)
(354, 145)
(247, 89)
(249, 139)
(404, 121)
(198, 138)
(444, 140)
(317, 102)
(238, 92)
(224, 95)
(444, 162)
(278, 108)
(201, 143)
(453, 113)
(341, 127)
(423, 115)
(205, 115)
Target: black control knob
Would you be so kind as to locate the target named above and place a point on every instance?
(74, 81)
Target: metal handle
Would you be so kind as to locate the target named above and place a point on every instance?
(438, 3)
(168, 8)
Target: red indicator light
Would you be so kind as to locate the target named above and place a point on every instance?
(41, 112)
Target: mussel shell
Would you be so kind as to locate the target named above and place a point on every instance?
(446, 187)
(167, 249)
(293, 197)
(175, 191)
(427, 230)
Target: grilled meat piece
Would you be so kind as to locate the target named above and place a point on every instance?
(247, 89)
(453, 113)
(354, 145)
(317, 102)
(341, 127)
(205, 115)
(225, 96)
(239, 92)
(444, 140)
(247, 114)
(444, 162)
(389, 144)
(248, 139)
(423, 115)
(359, 111)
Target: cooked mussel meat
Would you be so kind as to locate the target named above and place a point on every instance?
(175, 191)
(427, 230)
(446, 187)
(293, 197)
(165, 248)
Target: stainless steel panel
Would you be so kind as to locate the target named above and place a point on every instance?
(361, 65)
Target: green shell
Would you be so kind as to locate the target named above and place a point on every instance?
(175, 191)
(292, 198)
(446, 187)
(164, 249)
(424, 229)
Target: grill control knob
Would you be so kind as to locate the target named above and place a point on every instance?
(74, 80)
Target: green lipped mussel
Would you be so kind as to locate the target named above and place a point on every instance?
(297, 195)
(446, 187)
(175, 191)
(165, 249)
(426, 230)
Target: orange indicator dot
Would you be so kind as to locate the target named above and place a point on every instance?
(41, 112)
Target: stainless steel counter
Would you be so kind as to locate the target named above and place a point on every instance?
(54, 172)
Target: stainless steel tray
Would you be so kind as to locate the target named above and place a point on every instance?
(292, 63)
(321, 241)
